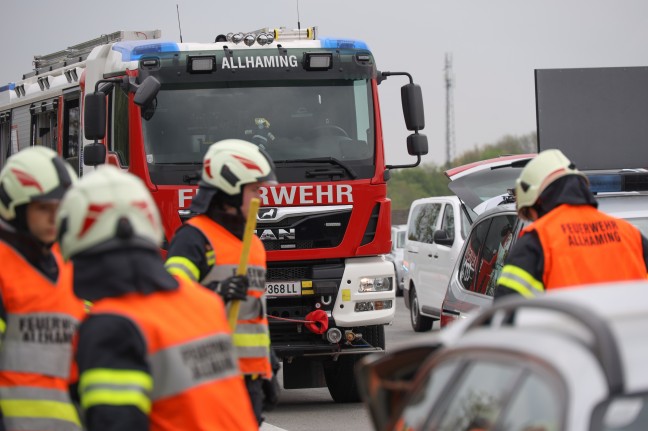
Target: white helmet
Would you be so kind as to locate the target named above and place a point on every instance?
(539, 173)
(229, 165)
(32, 174)
(108, 209)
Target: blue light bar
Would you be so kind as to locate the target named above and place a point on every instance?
(606, 183)
(9, 86)
(133, 50)
(343, 43)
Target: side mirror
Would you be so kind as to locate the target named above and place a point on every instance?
(417, 144)
(412, 100)
(94, 116)
(94, 154)
(441, 237)
(385, 381)
(147, 91)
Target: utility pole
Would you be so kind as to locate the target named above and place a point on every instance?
(450, 134)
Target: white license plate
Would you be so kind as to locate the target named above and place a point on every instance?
(283, 288)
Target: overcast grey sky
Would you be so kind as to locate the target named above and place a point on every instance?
(496, 45)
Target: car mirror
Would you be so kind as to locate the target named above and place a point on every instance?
(384, 381)
(147, 91)
(441, 237)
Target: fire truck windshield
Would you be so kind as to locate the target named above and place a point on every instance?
(291, 120)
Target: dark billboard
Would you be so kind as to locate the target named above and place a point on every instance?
(598, 117)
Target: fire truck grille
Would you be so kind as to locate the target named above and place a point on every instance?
(271, 246)
(289, 273)
(301, 231)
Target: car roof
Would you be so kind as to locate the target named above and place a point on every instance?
(500, 209)
(620, 307)
(434, 199)
(623, 205)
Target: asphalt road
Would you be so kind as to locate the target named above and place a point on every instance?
(314, 410)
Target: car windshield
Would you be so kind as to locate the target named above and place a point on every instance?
(290, 119)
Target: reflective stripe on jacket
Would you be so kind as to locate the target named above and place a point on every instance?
(252, 337)
(194, 381)
(582, 245)
(36, 353)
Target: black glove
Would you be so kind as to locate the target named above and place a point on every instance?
(271, 386)
(234, 287)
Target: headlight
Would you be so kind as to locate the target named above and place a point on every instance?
(378, 284)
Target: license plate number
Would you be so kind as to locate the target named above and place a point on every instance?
(283, 288)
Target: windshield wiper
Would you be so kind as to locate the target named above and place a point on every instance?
(331, 160)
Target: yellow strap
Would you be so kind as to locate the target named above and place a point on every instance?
(3, 326)
(210, 256)
(251, 340)
(519, 280)
(40, 409)
(107, 376)
(110, 397)
(177, 264)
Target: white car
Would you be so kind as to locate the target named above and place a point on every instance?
(572, 360)
(398, 238)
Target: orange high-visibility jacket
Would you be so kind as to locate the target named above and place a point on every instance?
(582, 245)
(194, 382)
(252, 336)
(36, 352)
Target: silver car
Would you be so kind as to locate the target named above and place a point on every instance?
(571, 360)
(474, 277)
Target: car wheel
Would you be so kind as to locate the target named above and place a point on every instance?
(340, 374)
(419, 322)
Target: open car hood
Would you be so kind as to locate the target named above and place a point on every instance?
(477, 184)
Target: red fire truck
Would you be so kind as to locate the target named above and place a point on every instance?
(152, 107)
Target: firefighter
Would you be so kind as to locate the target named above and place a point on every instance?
(155, 352)
(207, 249)
(39, 313)
(569, 241)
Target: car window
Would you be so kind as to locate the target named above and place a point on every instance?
(468, 266)
(424, 218)
(494, 250)
(465, 224)
(626, 413)
(478, 397)
(534, 406)
(448, 224)
(420, 403)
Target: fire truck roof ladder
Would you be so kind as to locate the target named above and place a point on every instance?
(77, 53)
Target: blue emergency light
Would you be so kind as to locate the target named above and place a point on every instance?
(9, 86)
(134, 50)
(621, 182)
(343, 43)
(605, 183)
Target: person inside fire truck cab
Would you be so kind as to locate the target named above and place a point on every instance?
(569, 241)
(39, 313)
(208, 247)
(154, 352)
